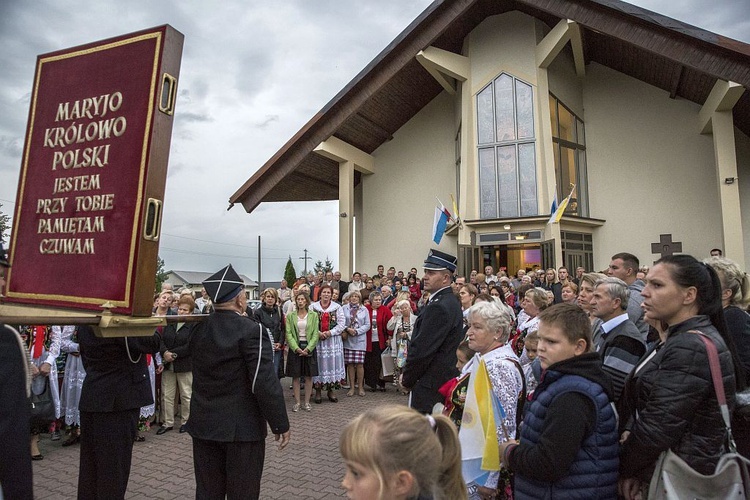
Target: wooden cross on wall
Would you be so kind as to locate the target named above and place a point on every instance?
(666, 246)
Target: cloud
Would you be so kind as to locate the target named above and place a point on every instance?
(267, 121)
(11, 146)
(192, 117)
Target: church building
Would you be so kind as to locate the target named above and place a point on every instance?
(640, 120)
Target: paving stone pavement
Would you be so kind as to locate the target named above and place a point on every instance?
(309, 468)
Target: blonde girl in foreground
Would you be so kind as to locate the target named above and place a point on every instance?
(394, 452)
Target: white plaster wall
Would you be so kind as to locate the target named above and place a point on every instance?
(650, 170)
(505, 42)
(398, 202)
(743, 172)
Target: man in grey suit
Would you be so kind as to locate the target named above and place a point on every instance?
(437, 332)
(617, 339)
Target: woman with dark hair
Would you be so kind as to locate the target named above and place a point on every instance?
(496, 291)
(669, 401)
(269, 315)
(507, 293)
(331, 369)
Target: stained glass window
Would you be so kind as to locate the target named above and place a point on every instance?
(507, 149)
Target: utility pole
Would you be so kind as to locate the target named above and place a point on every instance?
(305, 258)
(260, 279)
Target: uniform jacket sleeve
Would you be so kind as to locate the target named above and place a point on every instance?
(257, 352)
(434, 327)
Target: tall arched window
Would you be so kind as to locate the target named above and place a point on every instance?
(506, 149)
(569, 143)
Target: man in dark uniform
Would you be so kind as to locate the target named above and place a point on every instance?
(15, 459)
(117, 384)
(437, 333)
(235, 392)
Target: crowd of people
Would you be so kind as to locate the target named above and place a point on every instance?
(596, 373)
(592, 397)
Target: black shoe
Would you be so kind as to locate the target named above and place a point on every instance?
(183, 429)
(163, 429)
(73, 439)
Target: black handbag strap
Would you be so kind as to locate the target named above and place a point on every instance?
(715, 367)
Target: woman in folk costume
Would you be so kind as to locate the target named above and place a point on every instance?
(330, 349)
(75, 373)
(44, 347)
(155, 366)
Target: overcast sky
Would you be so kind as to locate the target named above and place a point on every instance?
(253, 73)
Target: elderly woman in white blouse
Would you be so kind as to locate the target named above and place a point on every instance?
(489, 329)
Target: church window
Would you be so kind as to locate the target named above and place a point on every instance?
(506, 149)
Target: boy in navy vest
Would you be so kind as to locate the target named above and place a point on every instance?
(568, 446)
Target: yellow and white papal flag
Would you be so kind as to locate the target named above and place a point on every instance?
(483, 414)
